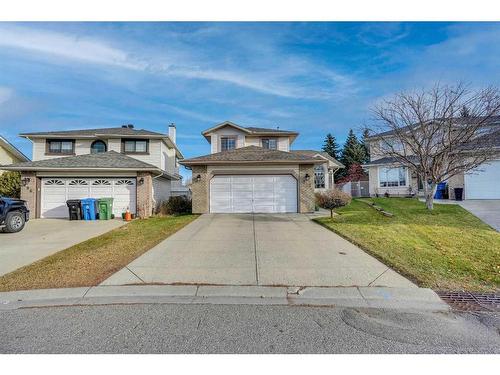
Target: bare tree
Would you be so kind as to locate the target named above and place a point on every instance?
(439, 133)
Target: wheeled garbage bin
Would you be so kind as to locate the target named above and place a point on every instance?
(458, 193)
(74, 209)
(89, 211)
(105, 208)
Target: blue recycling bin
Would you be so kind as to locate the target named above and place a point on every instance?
(440, 191)
(89, 209)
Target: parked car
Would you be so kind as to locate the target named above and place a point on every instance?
(13, 214)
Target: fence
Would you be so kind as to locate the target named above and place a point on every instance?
(356, 188)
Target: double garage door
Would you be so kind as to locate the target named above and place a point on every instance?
(484, 184)
(259, 193)
(56, 191)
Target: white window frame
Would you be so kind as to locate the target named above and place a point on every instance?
(269, 140)
(318, 176)
(384, 170)
(228, 138)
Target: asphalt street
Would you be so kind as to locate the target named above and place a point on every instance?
(177, 328)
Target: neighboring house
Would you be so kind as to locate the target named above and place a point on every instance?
(136, 167)
(254, 170)
(387, 175)
(10, 154)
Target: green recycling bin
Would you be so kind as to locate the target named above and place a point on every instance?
(105, 208)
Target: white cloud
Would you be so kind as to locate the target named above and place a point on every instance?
(5, 94)
(290, 79)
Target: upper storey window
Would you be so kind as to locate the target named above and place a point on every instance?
(135, 146)
(227, 143)
(97, 146)
(270, 143)
(65, 147)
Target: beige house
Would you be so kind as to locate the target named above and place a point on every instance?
(388, 176)
(10, 154)
(254, 169)
(137, 168)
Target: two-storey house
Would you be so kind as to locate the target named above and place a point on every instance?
(253, 169)
(388, 176)
(10, 154)
(135, 167)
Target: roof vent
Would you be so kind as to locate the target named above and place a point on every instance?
(130, 126)
(124, 126)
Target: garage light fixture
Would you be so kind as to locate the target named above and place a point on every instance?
(25, 181)
(140, 181)
(198, 178)
(307, 177)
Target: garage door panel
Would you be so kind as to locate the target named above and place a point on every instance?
(55, 192)
(483, 183)
(258, 193)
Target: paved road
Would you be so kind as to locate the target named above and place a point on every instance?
(258, 249)
(173, 328)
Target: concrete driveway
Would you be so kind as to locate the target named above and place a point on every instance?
(487, 210)
(43, 237)
(259, 249)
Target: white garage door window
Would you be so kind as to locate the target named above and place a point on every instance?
(243, 194)
(484, 183)
(56, 191)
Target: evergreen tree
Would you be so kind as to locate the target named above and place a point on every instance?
(366, 134)
(330, 146)
(353, 152)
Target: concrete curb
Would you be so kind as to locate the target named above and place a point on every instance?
(368, 297)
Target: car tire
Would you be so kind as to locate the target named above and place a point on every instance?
(14, 222)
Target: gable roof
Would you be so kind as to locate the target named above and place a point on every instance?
(250, 130)
(110, 160)
(11, 149)
(492, 121)
(121, 132)
(252, 154)
(324, 154)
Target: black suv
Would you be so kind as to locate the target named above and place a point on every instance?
(13, 214)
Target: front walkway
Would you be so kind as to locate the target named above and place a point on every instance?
(260, 249)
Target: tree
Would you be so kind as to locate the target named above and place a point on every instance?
(10, 184)
(364, 142)
(355, 173)
(330, 146)
(353, 152)
(331, 199)
(429, 135)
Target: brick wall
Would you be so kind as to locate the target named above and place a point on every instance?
(199, 189)
(306, 188)
(29, 192)
(144, 195)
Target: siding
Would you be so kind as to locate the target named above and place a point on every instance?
(161, 191)
(226, 131)
(6, 158)
(393, 191)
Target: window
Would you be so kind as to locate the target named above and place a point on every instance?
(60, 147)
(227, 143)
(319, 177)
(392, 177)
(97, 147)
(391, 145)
(270, 143)
(135, 146)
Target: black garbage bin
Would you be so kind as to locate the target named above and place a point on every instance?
(75, 209)
(458, 193)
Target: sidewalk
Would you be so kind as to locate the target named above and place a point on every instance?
(365, 297)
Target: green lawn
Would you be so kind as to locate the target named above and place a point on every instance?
(91, 262)
(446, 249)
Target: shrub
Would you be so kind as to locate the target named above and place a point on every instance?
(176, 205)
(10, 184)
(332, 199)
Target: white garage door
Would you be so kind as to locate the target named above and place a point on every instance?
(484, 184)
(242, 194)
(56, 191)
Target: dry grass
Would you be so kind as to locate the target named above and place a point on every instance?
(91, 262)
(447, 249)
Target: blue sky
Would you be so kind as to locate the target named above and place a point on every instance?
(311, 77)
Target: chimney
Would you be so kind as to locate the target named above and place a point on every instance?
(130, 126)
(172, 132)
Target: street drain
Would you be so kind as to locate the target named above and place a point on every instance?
(466, 301)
